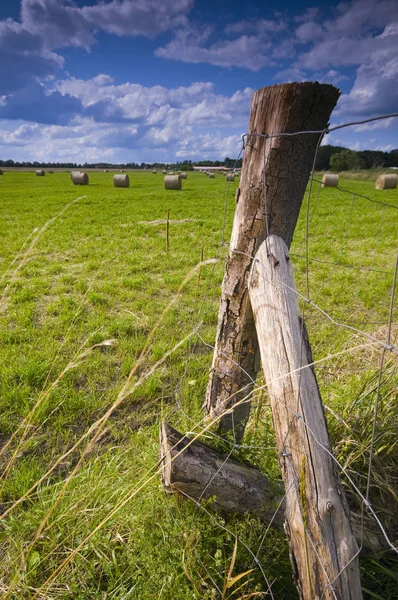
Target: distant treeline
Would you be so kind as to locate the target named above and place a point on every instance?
(182, 166)
(338, 158)
(335, 158)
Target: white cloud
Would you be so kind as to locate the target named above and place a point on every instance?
(291, 74)
(132, 17)
(309, 31)
(362, 34)
(375, 90)
(23, 56)
(157, 122)
(250, 52)
(258, 26)
(195, 104)
(27, 47)
(86, 140)
(383, 124)
(356, 18)
(65, 24)
(252, 48)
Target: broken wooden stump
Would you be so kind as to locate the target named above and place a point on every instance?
(199, 472)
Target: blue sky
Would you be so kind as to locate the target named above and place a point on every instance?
(165, 80)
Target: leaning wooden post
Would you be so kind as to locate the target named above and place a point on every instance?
(284, 165)
(323, 548)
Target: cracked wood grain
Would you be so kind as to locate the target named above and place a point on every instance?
(282, 108)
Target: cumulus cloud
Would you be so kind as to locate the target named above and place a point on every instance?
(158, 122)
(344, 51)
(184, 106)
(27, 46)
(64, 24)
(134, 17)
(86, 140)
(82, 140)
(358, 17)
(375, 90)
(35, 104)
(252, 48)
(23, 57)
(246, 51)
(58, 23)
(325, 44)
(291, 74)
(309, 31)
(258, 26)
(362, 34)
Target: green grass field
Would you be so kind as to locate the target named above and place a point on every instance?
(93, 312)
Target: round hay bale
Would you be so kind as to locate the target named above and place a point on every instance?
(183, 175)
(154, 171)
(121, 181)
(105, 170)
(388, 181)
(79, 178)
(330, 180)
(172, 182)
(122, 170)
(1, 171)
(50, 172)
(164, 172)
(230, 177)
(40, 173)
(211, 176)
(171, 173)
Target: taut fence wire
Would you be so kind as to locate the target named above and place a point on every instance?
(376, 266)
(338, 339)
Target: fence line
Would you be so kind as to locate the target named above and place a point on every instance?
(385, 345)
(197, 338)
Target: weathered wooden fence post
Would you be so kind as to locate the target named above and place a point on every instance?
(322, 545)
(284, 165)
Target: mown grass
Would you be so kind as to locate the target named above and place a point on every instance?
(82, 296)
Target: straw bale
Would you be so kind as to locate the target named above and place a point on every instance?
(172, 182)
(330, 180)
(122, 181)
(79, 178)
(388, 181)
(40, 173)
